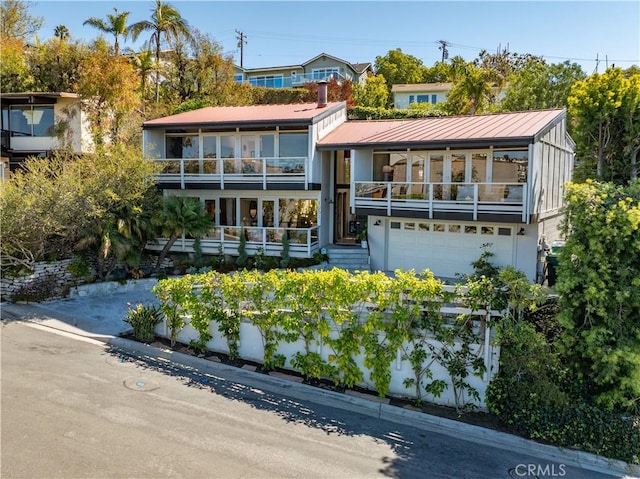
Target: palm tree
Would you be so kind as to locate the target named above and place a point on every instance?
(61, 32)
(144, 64)
(165, 22)
(180, 216)
(116, 24)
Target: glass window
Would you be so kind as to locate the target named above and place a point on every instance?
(410, 226)
(394, 225)
(412, 98)
(479, 167)
(228, 212)
(436, 163)
(269, 81)
(249, 211)
(458, 163)
(423, 226)
(422, 98)
(438, 227)
(182, 146)
(434, 99)
(504, 231)
(471, 230)
(209, 146)
(454, 228)
(343, 167)
(297, 213)
(227, 146)
(510, 166)
(417, 167)
(31, 121)
(293, 144)
(486, 230)
(238, 78)
(398, 162)
(381, 169)
(324, 73)
(267, 146)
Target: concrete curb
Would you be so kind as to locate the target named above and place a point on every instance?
(379, 410)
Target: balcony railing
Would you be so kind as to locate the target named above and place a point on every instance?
(303, 242)
(231, 170)
(294, 80)
(474, 198)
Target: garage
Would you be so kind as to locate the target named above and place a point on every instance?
(446, 248)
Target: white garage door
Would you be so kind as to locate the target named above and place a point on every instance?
(446, 248)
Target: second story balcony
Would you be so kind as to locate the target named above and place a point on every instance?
(226, 172)
(475, 200)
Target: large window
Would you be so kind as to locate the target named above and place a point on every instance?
(510, 166)
(31, 121)
(298, 213)
(269, 81)
(324, 73)
(293, 145)
(184, 146)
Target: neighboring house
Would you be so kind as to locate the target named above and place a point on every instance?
(431, 191)
(35, 124)
(404, 94)
(320, 68)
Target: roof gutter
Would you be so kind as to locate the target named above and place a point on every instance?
(440, 144)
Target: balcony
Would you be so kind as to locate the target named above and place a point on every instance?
(507, 200)
(278, 81)
(232, 171)
(303, 242)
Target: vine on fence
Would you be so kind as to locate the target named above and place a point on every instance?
(368, 316)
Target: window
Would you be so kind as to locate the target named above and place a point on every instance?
(487, 230)
(458, 165)
(185, 146)
(422, 98)
(268, 81)
(394, 225)
(410, 226)
(297, 213)
(293, 145)
(504, 231)
(454, 228)
(510, 166)
(31, 120)
(434, 99)
(423, 226)
(438, 227)
(227, 211)
(324, 73)
(238, 78)
(472, 230)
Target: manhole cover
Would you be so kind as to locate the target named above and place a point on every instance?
(137, 384)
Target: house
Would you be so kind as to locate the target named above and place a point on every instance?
(34, 124)
(432, 191)
(256, 169)
(435, 190)
(320, 68)
(404, 94)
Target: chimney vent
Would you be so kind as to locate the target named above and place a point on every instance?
(322, 94)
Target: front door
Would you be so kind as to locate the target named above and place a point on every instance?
(345, 222)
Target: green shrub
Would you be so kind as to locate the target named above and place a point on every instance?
(79, 268)
(143, 319)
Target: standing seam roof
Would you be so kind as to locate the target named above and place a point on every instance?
(458, 128)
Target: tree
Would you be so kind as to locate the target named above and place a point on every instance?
(66, 204)
(61, 32)
(166, 22)
(397, 67)
(373, 93)
(506, 63)
(179, 216)
(540, 85)
(109, 86)
(115, 24)
(473, 91)
(604, 115)
(144, 65)
(598, 284)
(14, 69)
(55, 65)
(16, 22)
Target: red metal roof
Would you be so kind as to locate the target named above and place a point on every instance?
(494, 128)
(303, 113)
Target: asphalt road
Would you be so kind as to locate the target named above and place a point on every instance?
(73, 408)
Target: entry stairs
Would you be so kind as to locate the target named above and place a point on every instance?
(352, 258)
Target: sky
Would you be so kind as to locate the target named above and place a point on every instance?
(594, 34)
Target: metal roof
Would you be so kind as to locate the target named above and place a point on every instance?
(212, 116)
(495, 129)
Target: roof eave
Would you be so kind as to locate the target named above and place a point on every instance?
(230, 124)
(438, 144)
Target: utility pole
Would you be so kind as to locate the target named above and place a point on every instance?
(242, 40)
(443, 47)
